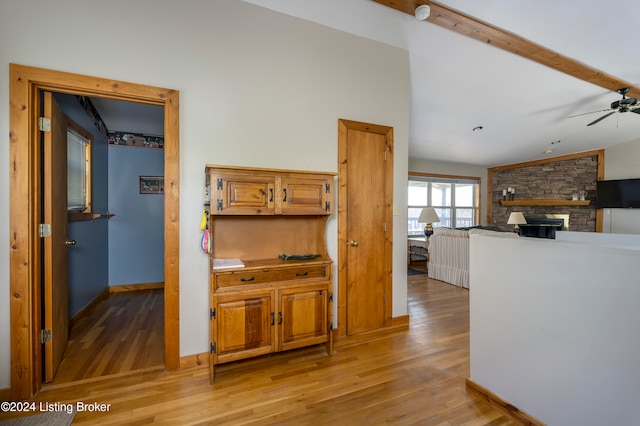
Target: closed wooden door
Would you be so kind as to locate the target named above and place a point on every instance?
(55, 257)
(367, 222)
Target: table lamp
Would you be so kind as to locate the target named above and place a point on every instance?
(428, 216)
(516, 219)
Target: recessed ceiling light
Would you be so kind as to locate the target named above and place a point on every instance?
(477, 128)
(423, 12)
(548, 151)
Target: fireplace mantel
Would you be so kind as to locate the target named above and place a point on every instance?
(544, 202)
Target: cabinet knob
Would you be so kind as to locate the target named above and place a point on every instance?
(354, 243)
(70, 242)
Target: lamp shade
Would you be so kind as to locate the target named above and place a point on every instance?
(428, 215)
(516, 218)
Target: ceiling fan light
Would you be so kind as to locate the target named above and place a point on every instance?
(422, 12)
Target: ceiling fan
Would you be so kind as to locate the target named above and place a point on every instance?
(623, 105)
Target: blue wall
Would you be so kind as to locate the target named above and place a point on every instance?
(136, 233)
(89, 258)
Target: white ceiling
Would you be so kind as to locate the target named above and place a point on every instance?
(458, 83)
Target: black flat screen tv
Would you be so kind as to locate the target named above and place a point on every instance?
(621, 193)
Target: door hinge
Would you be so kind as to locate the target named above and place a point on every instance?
(219, 183)
(219, 205)
(327, 188)
(45, 336)
(330, 326)
(327, 206)
(330, 297)
(212, 348)
(44, 230)
(212, 313)
(44, 124)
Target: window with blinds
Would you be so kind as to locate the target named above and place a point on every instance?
(78, 172)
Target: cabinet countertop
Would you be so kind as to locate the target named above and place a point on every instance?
(274, 263)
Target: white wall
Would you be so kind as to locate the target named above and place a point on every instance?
(553, 328)
(443, 168)
(257, 88)
(622, 162)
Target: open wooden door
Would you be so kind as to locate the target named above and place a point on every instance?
(55, 263)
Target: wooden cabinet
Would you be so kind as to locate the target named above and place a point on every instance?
(248, 323)
(243, 324)
(307, 195)
(303, 315)
(269, 304)
(241, 191)
(243, 194)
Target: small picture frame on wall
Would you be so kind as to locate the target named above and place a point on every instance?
(152, 184)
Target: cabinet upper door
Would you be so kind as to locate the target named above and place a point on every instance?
(242, 194)
(306, 196)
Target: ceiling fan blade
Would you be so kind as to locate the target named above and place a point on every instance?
(592, 112)
(601, 118)
(637, 110)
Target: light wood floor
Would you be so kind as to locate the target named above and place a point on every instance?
(122, 333)
(402, 378)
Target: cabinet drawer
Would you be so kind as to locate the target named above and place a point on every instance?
(233, 278)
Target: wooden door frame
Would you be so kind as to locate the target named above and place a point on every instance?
(343, 127)
(24, 201)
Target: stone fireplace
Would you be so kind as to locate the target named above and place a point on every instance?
(545, 188)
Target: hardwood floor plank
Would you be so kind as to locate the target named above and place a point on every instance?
(399, 378)
(120, 333)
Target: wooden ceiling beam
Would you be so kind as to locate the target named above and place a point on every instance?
(468, 25)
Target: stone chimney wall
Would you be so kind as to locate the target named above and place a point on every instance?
(553, 180)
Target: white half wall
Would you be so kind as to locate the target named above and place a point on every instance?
(629, 240)
(554, 328)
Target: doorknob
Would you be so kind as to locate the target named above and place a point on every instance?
(354, 243)
(70, 242)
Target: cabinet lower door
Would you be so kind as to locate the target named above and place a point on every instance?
(243, 326)
(304, 313)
